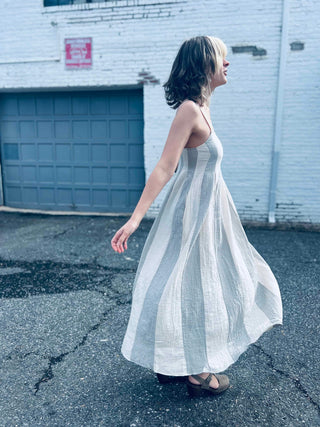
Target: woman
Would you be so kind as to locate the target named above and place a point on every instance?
(202, 293)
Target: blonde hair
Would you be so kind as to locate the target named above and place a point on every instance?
(220, 49)
(220, 52)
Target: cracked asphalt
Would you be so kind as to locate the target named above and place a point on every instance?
(65, 303)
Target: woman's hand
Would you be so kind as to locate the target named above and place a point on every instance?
(121, 237)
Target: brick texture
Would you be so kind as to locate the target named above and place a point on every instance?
(134, 44)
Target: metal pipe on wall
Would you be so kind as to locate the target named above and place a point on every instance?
(279, 112)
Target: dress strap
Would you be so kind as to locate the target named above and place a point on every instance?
(205, 119)
(201, 113)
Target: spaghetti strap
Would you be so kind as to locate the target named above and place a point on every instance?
(205, 119)
(201, 113)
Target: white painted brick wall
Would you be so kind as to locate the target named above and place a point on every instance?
(298, 191)
(130, 36)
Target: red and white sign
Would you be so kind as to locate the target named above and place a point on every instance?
(78, 52)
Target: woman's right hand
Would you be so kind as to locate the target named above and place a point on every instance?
(119, 240)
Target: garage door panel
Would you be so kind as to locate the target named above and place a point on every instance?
(63, 153)
(63, 175)
(29, 174)
(98, 129)
(46, 174)
(30, 196)
(134, 197)
(13, 173)
(28, 152)
(46, 196)
(62, 129)
(79, 105)
(72, 151)
(135, 129)
(99, 153)
(100, 176)
(80, 129)
(100, 198)
(136, 176)
(117, 104)
(44, 129)
(81, 175)
(82, 196)
(27, 129)
(98, 105)
(61, 105)
(135, 106)
(9, 106)
(118, 153)
(64, 197)
(26, 105)
(14, 195)
(119, 175)
(44, 105)
(118, 129)
(45, 153)
(118, 198)
(135, 152)
(81, 153)
(10, 129)
(11, 151)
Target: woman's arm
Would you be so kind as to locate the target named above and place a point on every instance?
(180, 131)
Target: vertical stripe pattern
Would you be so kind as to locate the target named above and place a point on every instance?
(202, 293)
(144, 338)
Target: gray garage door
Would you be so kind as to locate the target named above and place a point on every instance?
(72, 150)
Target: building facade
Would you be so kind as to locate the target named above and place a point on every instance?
(83, 118)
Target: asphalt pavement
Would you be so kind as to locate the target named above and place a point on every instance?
(64, 307)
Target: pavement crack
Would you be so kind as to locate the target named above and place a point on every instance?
(295, 380)
(50, 277)
(30, 352)
(61, 233)
(48, 373)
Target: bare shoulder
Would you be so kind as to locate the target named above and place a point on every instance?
(188, 106)
(188, 110)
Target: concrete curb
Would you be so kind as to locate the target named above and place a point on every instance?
(297, 226)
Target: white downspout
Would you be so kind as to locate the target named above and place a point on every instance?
(279, 112)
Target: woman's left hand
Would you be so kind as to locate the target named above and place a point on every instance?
(119, 240)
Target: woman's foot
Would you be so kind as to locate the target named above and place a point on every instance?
(213, 383)
(206, 385)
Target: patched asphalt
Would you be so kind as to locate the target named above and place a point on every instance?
(65, 303)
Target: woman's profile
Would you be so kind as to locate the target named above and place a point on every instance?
(202, 293)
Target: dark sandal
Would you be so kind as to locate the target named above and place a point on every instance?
(165, 379)
(198, 389)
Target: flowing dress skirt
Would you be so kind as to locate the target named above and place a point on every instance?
(202, 293)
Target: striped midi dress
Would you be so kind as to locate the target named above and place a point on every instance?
(202, 293)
